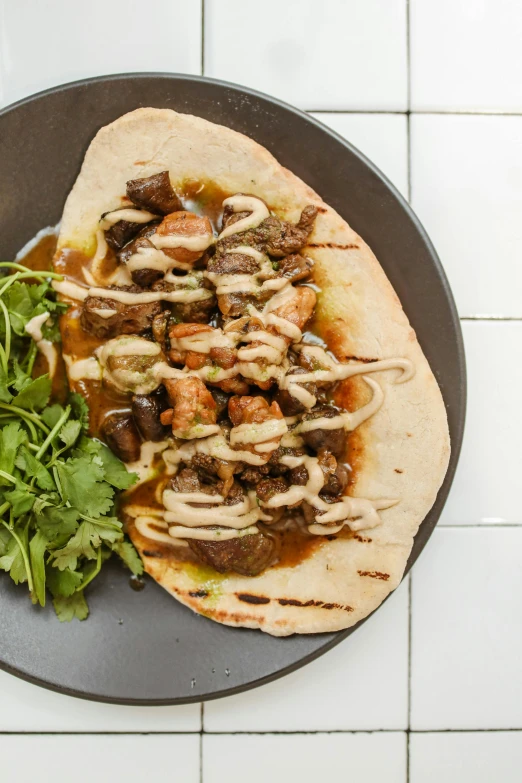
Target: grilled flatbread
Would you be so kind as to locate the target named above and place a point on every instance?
(398, 455)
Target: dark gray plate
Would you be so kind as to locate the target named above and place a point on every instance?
(145, 648)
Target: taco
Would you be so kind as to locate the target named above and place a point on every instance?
(242, 350)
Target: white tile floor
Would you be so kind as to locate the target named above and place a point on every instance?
(395, 77)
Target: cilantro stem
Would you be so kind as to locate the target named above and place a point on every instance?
(7, 477)
(7, 350)
(9, 282)
(23, 553)
(95, 573)
(58, 484)
(29, 272)
(3, 358)
(57, 427)
(33, 417)
(30, 358)
(4, 507)
(101, 522)
(13, 480)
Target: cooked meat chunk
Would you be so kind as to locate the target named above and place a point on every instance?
(233, 264)
(180, 335)
(160, 326)
(122, 437)
(290, 405)
(229, 216)
(336, 483)
(252, 475)
(248, 555)
(146, 410)
(141, 277)
(268, 487)
(299, 309)
(192, 403)
(243, 410)
(186, 480)
(190, 312)
(274, 236)
(205, 466)
(121, 232)
(221, 399)
(122, 318)
(154, 194)
(295, 267)
(298, 476)
(199, 312)
(235, 385)
(330, 440)
(185, 224)
(236, 305)
(224, 357)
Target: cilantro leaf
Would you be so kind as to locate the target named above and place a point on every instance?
(35, 395)
(63, 583)
(126, 551)
(5, 394)
(83, 486)
(21, 378)
(70, 432)
(21, 501)
(115, 471)
(20, 305)
(5, 538)
(57, 523)
(80, 409)
(13, 560)
(80, 545)
(37, 548)
(29, 464)
(71, 607)
(52, 414)
(11, 437)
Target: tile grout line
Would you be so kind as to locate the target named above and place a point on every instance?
(202, 37)
(254, 733)
(201, 758)
(409, 160)
(437, 113)
(490, 318)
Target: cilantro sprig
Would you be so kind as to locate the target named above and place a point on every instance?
(58, 488)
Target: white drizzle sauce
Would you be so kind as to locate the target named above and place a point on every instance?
(83, 369)
(144, 466)
(258, 212)
(181, 518)
(34, 329)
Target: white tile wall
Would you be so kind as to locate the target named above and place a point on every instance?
(327, 56)
(347, 59)
(383, 138)
(467, 189)
(466, 55)
(307, 758)
(487, 484)
(466, 630)
(26, 708)
(43, 44)
(332, 692)
(104, 759)
(462, 757)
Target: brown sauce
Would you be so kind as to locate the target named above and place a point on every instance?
(40, 257)
(205, 199)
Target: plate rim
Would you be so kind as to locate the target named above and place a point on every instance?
(457, 440)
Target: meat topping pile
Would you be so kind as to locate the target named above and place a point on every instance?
(204, 334)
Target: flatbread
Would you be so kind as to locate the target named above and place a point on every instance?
(402, 451)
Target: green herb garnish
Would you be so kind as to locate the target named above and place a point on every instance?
(57, 486)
